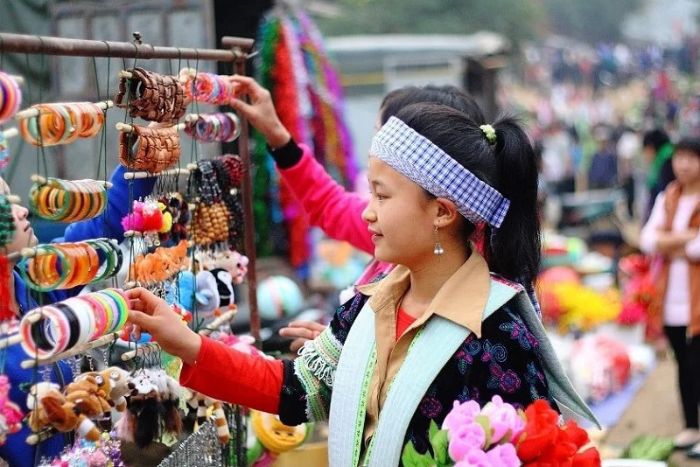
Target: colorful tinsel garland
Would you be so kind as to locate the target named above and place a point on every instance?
(294, 66)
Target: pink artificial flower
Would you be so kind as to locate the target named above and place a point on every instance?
(461, 414)
(504, 455)
(476, 458)
(504, 420)
(465, 439)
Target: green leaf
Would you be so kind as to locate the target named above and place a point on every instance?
(432, 429)
(485, 423)
(412, 458)
(439, 442)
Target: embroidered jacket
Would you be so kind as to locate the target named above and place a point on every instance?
(500, 356)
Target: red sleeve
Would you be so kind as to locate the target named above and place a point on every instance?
(231, 376)
(329, 206)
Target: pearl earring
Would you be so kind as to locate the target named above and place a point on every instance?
(438, 250)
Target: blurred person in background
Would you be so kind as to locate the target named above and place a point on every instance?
(672, 234)
(557, 159)
(657, 150)
(602, 172)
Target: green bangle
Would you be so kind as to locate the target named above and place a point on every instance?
(65, 269)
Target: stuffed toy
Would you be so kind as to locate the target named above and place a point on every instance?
(70, 411)
(207, 293)
(200, 403)
(224, 284)
(153, 409)
(274, 435)
(38, 419)
(115, 385)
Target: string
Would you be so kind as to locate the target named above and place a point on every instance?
(41, 99)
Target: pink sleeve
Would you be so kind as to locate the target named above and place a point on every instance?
(649, 234)
(231, 376)
(329, 206)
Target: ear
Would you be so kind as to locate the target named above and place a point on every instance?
(447, 213)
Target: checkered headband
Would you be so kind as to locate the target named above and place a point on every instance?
(417, 158)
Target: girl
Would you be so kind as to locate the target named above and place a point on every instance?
(444, 325)
(16, 451)
(328, 205)
(672, 232)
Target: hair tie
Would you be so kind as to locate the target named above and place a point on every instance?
(490, 133)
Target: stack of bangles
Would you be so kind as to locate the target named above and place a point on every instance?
(10, 97)
(67, 265)
(52, 329)
(62, 123)
(151, 96)
(7, 222)
(211, 128)
(149, 149)
(68, 201)
(208, 87)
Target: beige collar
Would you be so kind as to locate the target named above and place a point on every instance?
(461, 299)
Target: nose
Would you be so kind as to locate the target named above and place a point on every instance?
(368, 214)
(20, 212)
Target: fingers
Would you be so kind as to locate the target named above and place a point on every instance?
(243, 107)
(248, 86)
(143, 300)
(304, 333)
(313, 325)
(297, 344)
(139, 320)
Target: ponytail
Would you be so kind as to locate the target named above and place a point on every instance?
(514, 249)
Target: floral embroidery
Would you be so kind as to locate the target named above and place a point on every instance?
(518, 331)
(430, 407)
(466, 353)
(507, 381)
(494, 352)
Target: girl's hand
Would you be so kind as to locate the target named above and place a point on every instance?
(301, 331)
(153, 315)
(260, 112)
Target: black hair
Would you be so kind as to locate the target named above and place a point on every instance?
(450, 96)
(509, 165)
(655, 138)
(688, 144)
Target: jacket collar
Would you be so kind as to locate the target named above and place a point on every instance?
(462, 298)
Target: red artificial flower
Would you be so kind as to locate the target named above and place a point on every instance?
(540, 431)
(543, 443)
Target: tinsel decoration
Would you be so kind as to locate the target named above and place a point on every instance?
(268, 36)
(7, 233)
(201, 449)
(307, 94)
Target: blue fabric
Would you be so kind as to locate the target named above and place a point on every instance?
(16, 451)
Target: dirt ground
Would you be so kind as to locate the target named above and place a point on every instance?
(655, 410)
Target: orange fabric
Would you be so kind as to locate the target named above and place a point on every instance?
(672, 197)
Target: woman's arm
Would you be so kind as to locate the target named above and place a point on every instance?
(328, 205)
(291, 389)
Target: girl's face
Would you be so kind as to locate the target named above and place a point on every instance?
(686, 166)
(400, 216)
(24, 234)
